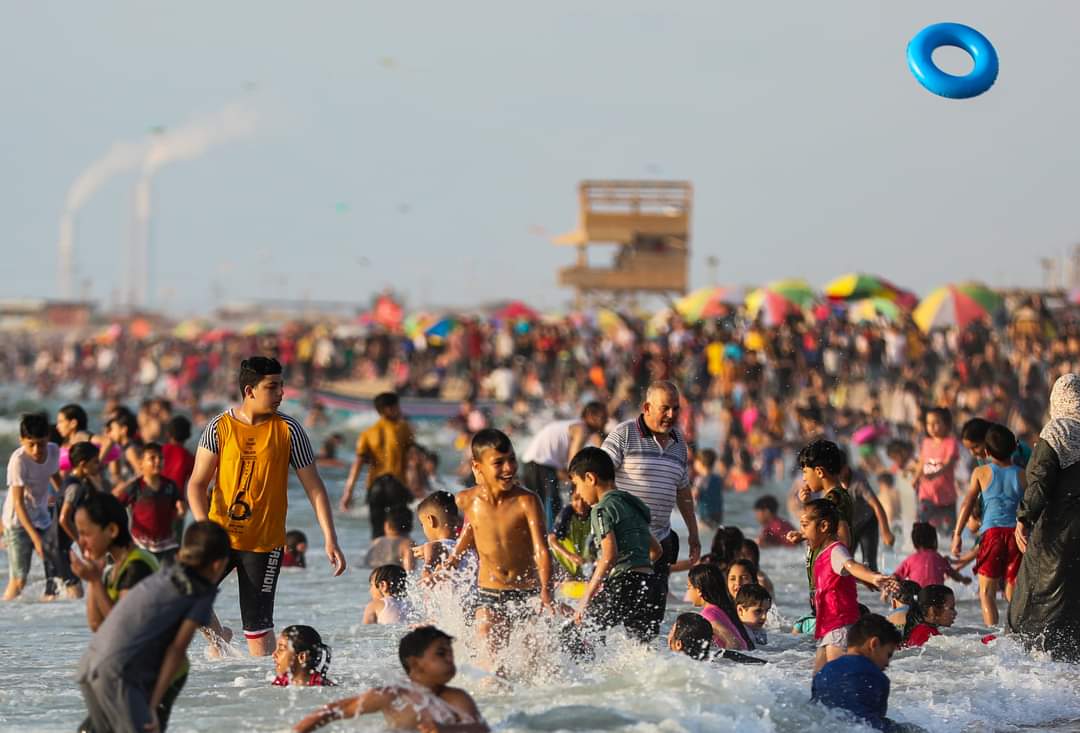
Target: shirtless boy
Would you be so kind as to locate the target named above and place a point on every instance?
(427, 704)
(504, 522)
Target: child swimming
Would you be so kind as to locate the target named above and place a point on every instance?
(936, 608)
(295, 554)
(707, 590)
(740, 573)
(301, 659)
(388, 584)
(752, 605)
(692, 635)
(426, 703)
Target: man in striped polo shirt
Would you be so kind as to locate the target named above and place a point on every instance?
(651, 462)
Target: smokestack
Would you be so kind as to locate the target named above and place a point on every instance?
(188, 142)
(122, 156)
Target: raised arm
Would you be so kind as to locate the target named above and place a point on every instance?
(320, 502)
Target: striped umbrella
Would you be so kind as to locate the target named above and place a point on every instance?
(871, 309)
(781, 299)
(708, 303)
(859, 286)
(957, 305)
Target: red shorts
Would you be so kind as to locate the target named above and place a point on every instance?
(999, 556)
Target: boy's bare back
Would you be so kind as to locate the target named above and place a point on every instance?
(505, 529)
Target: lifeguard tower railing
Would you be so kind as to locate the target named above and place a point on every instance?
(649, 221)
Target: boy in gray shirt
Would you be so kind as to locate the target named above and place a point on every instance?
(136, 663)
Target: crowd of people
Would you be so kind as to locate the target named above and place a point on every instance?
(862, 409)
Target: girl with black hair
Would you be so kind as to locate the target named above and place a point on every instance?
(301, 659)
(102, 525)
(708, 590)
(936, 608)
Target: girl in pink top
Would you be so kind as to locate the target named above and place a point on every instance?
(707, 589)
(936, 482)
(926, 566)
(836, 598)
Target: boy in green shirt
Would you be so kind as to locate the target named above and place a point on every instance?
(623, 589)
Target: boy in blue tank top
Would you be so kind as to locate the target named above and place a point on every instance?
(999, 485)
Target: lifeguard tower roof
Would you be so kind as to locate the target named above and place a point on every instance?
(649, 222)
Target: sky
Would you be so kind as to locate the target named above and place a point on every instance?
(427, 147)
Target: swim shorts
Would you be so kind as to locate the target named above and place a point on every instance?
(631, 600)
(506, 599)
(257, 576)
(999, 557)
(836, 637)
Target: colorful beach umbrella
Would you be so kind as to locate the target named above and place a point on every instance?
(957, 305)
(516, 311)
(780, 300)
(860, 286)
(708, 303)
(442, 328)
(872, 309)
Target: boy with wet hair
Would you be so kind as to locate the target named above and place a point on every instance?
(428, 704)
(505, 526)
(441, 522)
(33, 467)
(752, 603)
(136, 662)
(691, 634)
(822, 463)
(856, 681)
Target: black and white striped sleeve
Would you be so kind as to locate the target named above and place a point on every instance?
(615, 445)
(209, 439)
(300, 453)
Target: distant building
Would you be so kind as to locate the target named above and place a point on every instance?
(48, 313)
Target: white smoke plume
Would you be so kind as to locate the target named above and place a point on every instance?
(122, 156)
(188, 141)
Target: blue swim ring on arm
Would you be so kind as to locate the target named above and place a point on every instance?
(920, 60)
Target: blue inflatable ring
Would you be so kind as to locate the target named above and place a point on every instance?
(921, 63)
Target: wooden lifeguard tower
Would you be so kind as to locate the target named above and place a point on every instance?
(649, 222)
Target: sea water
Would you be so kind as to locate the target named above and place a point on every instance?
(954, 683)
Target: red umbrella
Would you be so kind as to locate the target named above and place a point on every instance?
(516, 311)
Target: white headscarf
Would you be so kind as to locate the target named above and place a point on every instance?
(1063, 431)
